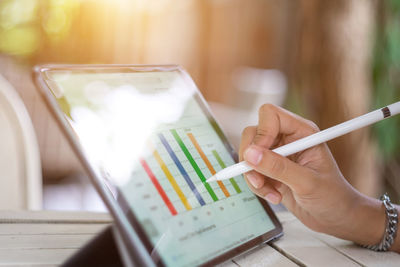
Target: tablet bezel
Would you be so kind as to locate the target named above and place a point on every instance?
(117, 206)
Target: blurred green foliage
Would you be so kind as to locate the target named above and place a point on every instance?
(26, 25)
(386, 76)
(19, 33)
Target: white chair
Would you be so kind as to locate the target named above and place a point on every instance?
(20, 170)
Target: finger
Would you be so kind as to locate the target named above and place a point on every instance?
(288, 199)
(256, 179)
(247, 137)
(268, 126)
(266, 191)
(274, 120)
(300, 179)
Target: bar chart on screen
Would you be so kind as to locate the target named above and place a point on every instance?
(178, 166)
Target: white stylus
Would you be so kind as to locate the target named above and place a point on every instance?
(314, 139)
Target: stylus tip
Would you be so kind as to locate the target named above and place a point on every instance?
(211, 179)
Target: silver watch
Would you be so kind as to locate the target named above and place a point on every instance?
(392, 219)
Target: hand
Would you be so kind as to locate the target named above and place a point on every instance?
(308, 183)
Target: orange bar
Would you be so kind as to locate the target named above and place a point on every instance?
(207, 162)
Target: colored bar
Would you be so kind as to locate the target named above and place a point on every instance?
(158, 187)
(194, 164)
(181, 169)
(207, 162)
(222, 164)
(172, 181)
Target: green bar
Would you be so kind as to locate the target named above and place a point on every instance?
(194, 165)
(233, 182)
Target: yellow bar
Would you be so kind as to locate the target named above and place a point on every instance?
(171, 179)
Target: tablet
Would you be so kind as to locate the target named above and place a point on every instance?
(148, 141)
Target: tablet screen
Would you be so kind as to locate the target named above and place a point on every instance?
(150, 135)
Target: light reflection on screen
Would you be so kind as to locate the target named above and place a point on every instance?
(150, 134)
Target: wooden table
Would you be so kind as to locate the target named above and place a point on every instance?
(47, 238)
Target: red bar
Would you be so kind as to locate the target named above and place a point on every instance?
(158, 187)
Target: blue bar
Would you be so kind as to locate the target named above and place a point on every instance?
(181, 169)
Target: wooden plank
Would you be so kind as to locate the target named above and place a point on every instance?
(228, 263)
(34, 256)
(263, 256)
(361, 255)
(51, 243)
(9, 242)
(46, 238)
(285, 216)
(50, 229)
(54, 217)
(300, 245)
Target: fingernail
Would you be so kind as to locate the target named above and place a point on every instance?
(273, 198)
(255, 182)
(253, 155)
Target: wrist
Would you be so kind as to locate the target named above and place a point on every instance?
(396, 243)
(368, 221)
(389, 240)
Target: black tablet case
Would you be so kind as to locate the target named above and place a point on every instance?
(100, 251)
